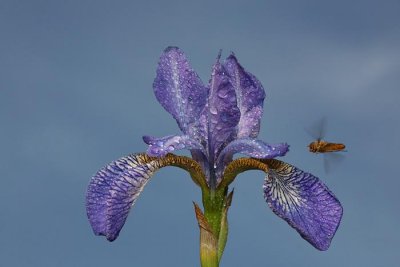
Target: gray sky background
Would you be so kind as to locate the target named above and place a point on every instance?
(76, 92)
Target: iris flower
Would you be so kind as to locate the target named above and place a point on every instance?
(217, 121)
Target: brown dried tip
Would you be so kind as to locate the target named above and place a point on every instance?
(228, 200)
(201, 219)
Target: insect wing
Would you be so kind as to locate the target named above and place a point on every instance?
(332, 160)
(318, 129)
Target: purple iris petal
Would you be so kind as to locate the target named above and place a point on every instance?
(112, 192)
(179, 89)
(159, 147)
(250, 96)
(221, 115)
(304, 202)
(252, 148)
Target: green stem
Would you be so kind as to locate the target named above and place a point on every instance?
(213, 202)
(213, 225)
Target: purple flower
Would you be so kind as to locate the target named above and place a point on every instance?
(217, 121)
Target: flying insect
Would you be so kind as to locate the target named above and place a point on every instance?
(320, 146)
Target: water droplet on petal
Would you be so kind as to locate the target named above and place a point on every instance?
(213, 110)
(223, 93)
(181, 146)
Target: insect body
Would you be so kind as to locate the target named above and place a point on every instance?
(321, 146)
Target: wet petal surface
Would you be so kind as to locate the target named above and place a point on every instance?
(250, 96)
(221, 115)
(159, 147)
(179, 89)
(303, 201)
(113, 191)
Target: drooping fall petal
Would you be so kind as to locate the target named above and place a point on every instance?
(303, 201)
(179, 89)
(250, 96)
(113, 191)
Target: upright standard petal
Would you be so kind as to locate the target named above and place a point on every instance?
(159, 147)
(179, 89)
(113, 191)
(303, 201)
(221, 115)
(250, 96)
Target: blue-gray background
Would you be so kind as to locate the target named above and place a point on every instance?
(76, 92)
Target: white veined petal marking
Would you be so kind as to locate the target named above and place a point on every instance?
(114, 189)
(284, 191)
(303, 201)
